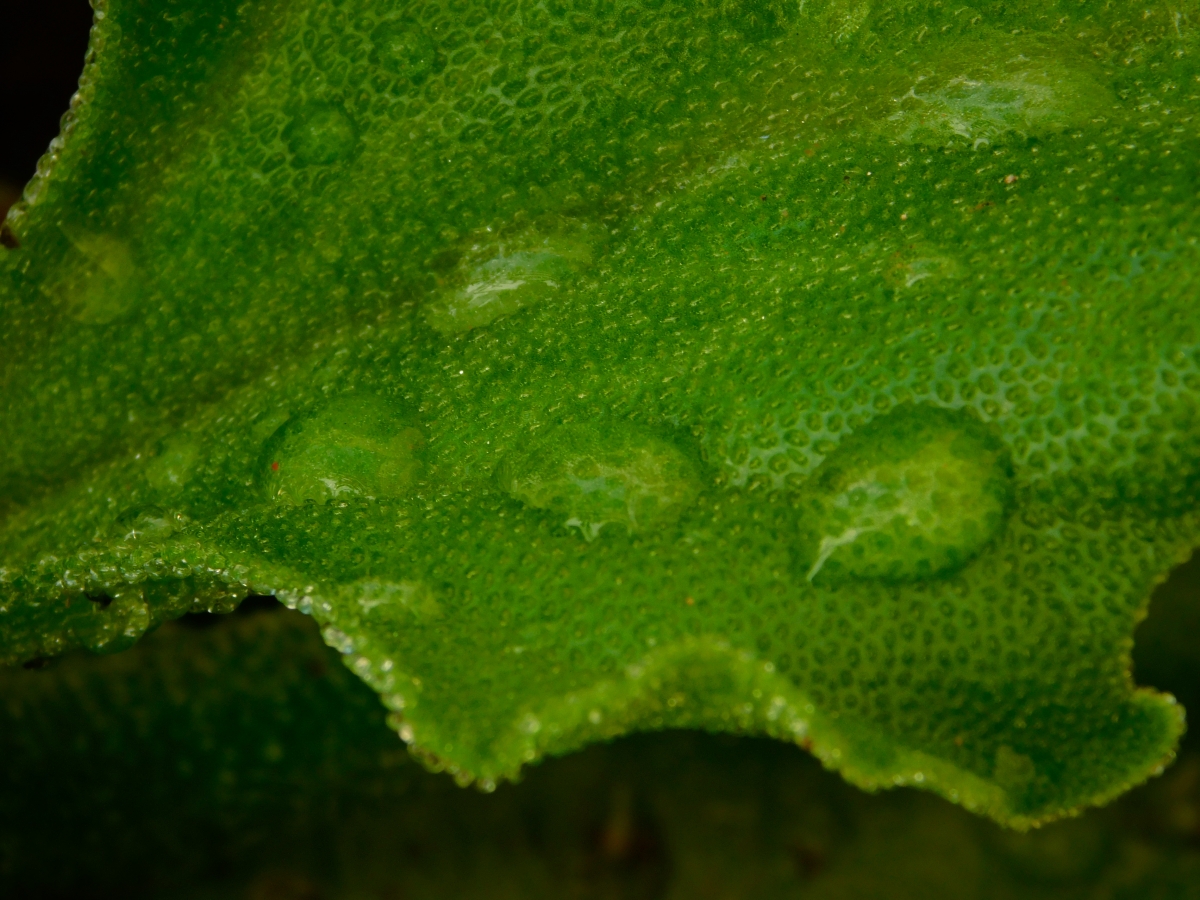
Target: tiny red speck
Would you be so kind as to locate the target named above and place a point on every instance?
(274, 467)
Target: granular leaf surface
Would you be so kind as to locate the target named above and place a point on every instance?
(825, 371)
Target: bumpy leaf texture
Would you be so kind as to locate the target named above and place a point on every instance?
(822, 370)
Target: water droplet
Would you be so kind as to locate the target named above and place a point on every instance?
(496, 280)
(147, 523)
(174, 465)
(404, 49)
(921, 263)
(997, 88)
(917, 493)
(320, 134)
(594, 476)
(355, 446)
(97, 277)
(387, 598)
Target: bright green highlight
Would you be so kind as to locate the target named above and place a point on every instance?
(580, 335)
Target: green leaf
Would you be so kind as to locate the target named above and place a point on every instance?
(824, 371)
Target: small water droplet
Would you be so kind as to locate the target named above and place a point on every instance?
(921, 263)
(174, 465)
(497, 280)
(387, 598)
(594, 476)
(147, 523)
(355, 445)
(320, 134)
(915, 494)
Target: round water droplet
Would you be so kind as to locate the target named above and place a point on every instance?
(593, 476)
(356, 445)
(404, 48)
(320, 134)
(498, 279)
(917, 493)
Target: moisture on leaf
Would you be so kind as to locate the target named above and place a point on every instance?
(823, 371)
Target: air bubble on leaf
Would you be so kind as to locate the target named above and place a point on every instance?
(320, 134)
(116, 619)
(404, 48)
(357, 445)
(497, 280)
(594, 475)
(916, 494)
(982, 92)
(97, 278)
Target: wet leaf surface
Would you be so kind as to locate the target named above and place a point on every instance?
(823, 372)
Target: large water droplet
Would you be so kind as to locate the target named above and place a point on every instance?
(917, 493)
(498, 279)
(593, 476)
(320, 134)
(356, 445)
(404, 49)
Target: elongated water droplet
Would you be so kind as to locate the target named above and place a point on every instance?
(915, 494)
(593, 476)
(355, 445)
(982, 91)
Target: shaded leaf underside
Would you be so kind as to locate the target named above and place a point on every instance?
(824, 371)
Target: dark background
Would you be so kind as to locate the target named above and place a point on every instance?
(42, 46)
